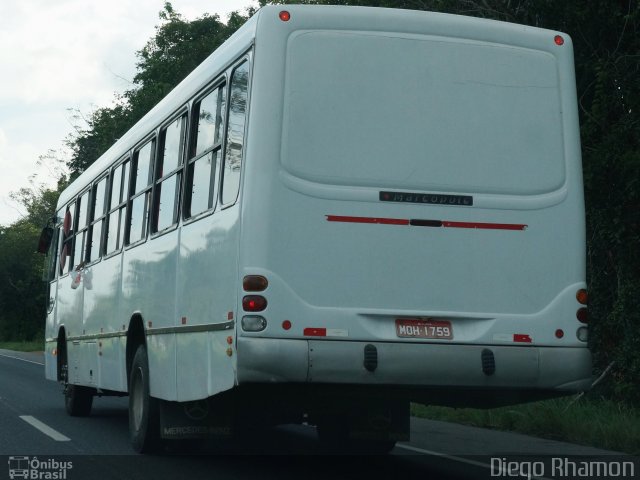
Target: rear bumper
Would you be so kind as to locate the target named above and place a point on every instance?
(414, 366)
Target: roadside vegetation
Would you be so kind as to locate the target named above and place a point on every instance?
(591, 421)
(32, 346)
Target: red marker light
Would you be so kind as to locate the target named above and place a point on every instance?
(286, 325)
(521, 338)
(559, 333)
(315, 332)
(284, 16)
(559, 40)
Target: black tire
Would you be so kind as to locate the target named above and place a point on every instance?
(144, 416)
(78, 400)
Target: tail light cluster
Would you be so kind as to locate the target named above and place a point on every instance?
(582, 314)
(253, 303)
(583, 299)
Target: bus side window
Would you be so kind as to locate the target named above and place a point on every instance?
(235, 133)
(207, 144)
(141, 191)
(94, 250)
(168, 176)
(82, 207)
(66, 249)
(51, 260)
(117, 207)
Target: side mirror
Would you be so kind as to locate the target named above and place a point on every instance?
(45, 240)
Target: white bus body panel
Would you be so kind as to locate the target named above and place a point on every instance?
(190, 272)
(207, 294)
(346, 107)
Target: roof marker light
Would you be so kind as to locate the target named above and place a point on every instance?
(284, 16)
(559, 40)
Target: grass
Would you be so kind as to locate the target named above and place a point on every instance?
(597, 423)
(34, 346)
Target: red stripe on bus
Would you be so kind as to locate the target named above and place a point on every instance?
(427, 223)
(486, 226)
(380, 221)
(315, 332)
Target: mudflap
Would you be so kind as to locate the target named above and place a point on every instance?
(199, 419)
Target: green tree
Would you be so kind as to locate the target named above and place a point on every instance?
(176, 49)
(21, 291)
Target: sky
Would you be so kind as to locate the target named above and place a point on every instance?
(61, 56)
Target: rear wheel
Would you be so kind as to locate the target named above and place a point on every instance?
(144, 417)
(78, 400)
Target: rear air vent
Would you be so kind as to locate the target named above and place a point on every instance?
(488, 362)
(370, 357)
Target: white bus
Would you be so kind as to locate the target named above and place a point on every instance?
(342, 210)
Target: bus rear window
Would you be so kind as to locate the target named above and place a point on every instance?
(422, 113)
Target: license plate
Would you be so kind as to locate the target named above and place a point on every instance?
(424, 328)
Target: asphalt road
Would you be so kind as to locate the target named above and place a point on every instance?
(35, 428)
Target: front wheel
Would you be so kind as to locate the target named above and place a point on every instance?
(77, 399)
(144, 417)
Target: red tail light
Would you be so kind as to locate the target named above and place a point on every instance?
(582, 296)
(582, 315)
(254, 303)
(254, 283)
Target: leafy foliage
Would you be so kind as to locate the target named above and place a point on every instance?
(21, 291)
(22, 294)
(176, 49)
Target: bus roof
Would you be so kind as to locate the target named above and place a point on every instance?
(371, 18)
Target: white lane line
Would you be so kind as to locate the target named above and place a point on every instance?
(21, 359)
(453, 458)
(44, 428)
(444, 455)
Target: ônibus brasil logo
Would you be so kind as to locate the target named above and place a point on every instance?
(36, 469)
